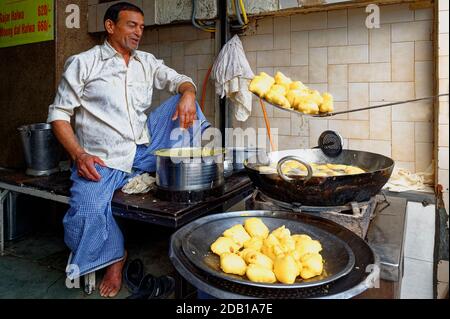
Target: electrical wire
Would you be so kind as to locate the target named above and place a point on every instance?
(200, 25)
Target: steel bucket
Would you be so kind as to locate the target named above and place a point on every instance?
(41, 148)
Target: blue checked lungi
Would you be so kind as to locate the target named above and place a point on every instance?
(90, 231)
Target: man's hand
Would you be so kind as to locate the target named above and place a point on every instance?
(186, 109)
(86, 166)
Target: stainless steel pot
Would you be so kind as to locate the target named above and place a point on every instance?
(41, 148)
(189, 169)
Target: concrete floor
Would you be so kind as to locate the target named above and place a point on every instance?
(33, 266)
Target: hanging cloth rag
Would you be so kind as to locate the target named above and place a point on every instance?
(232, 74)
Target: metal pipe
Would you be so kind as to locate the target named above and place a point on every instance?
(224, 36)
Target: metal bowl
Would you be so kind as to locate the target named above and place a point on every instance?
(189, 169)
(339, 258)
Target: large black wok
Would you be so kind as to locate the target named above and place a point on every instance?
(317, 190)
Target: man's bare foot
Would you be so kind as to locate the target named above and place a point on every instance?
(112, 281)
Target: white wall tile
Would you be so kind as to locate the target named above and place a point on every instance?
(316, 127)
(282, 33)
(443, 22)
(299, 48)
(358, 35)
(205, 46)
(299, 126)
(443, 113)
(348, 54)
(337, 74)
(443, 5)
(424, 50)
(443, 44)
(358, 97)
(423, 14)
(296, 73)
(403, 61)
(380, 124)
(443, 157)
(424, 156)
(337, 18)
(394, 91)
(274, 58)
(310, 21)
(443, 135)
(374, 146)
(412, 31)
(350, 129)
(424, 78)
(356, 17)
(338, 107)
(424, 132)
(421, 111)
(339, 92)
(403, 141)
(264, 25)
(380, 44)
(396, 13)
(329, 37)
(318, 65)
(257, 42)
(443, 67)
(373, 72)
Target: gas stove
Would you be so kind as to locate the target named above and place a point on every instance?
(355, 216)
(379, 222)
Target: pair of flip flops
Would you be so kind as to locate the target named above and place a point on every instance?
(146, 286)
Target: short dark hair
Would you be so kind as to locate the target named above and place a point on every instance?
(113, 11)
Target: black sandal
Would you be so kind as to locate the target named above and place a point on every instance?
(149, 287)
(166, 285)
(133, 275)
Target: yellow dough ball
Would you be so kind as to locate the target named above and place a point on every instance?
(254, 243)
(256, 228)
(304, 247)
(312, 265)
(286, 269)
(258, 259)
(238, 234)
(232, 264)
(257, 273)
(224, 245)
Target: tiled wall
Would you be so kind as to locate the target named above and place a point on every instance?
(334, 51)
(442, 79)
(187, 50)
(442, 121)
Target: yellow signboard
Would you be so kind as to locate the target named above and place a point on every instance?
(25, 21)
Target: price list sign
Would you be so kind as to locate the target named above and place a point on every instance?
(25, 21)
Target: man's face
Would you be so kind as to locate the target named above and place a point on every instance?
(127, 32)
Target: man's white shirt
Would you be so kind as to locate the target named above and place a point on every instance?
(110, 100)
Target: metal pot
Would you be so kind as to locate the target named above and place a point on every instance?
(42, 149)
(323, 190)
(189, 169)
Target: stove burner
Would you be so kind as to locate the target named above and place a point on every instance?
(187, 196)
(355, 216)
